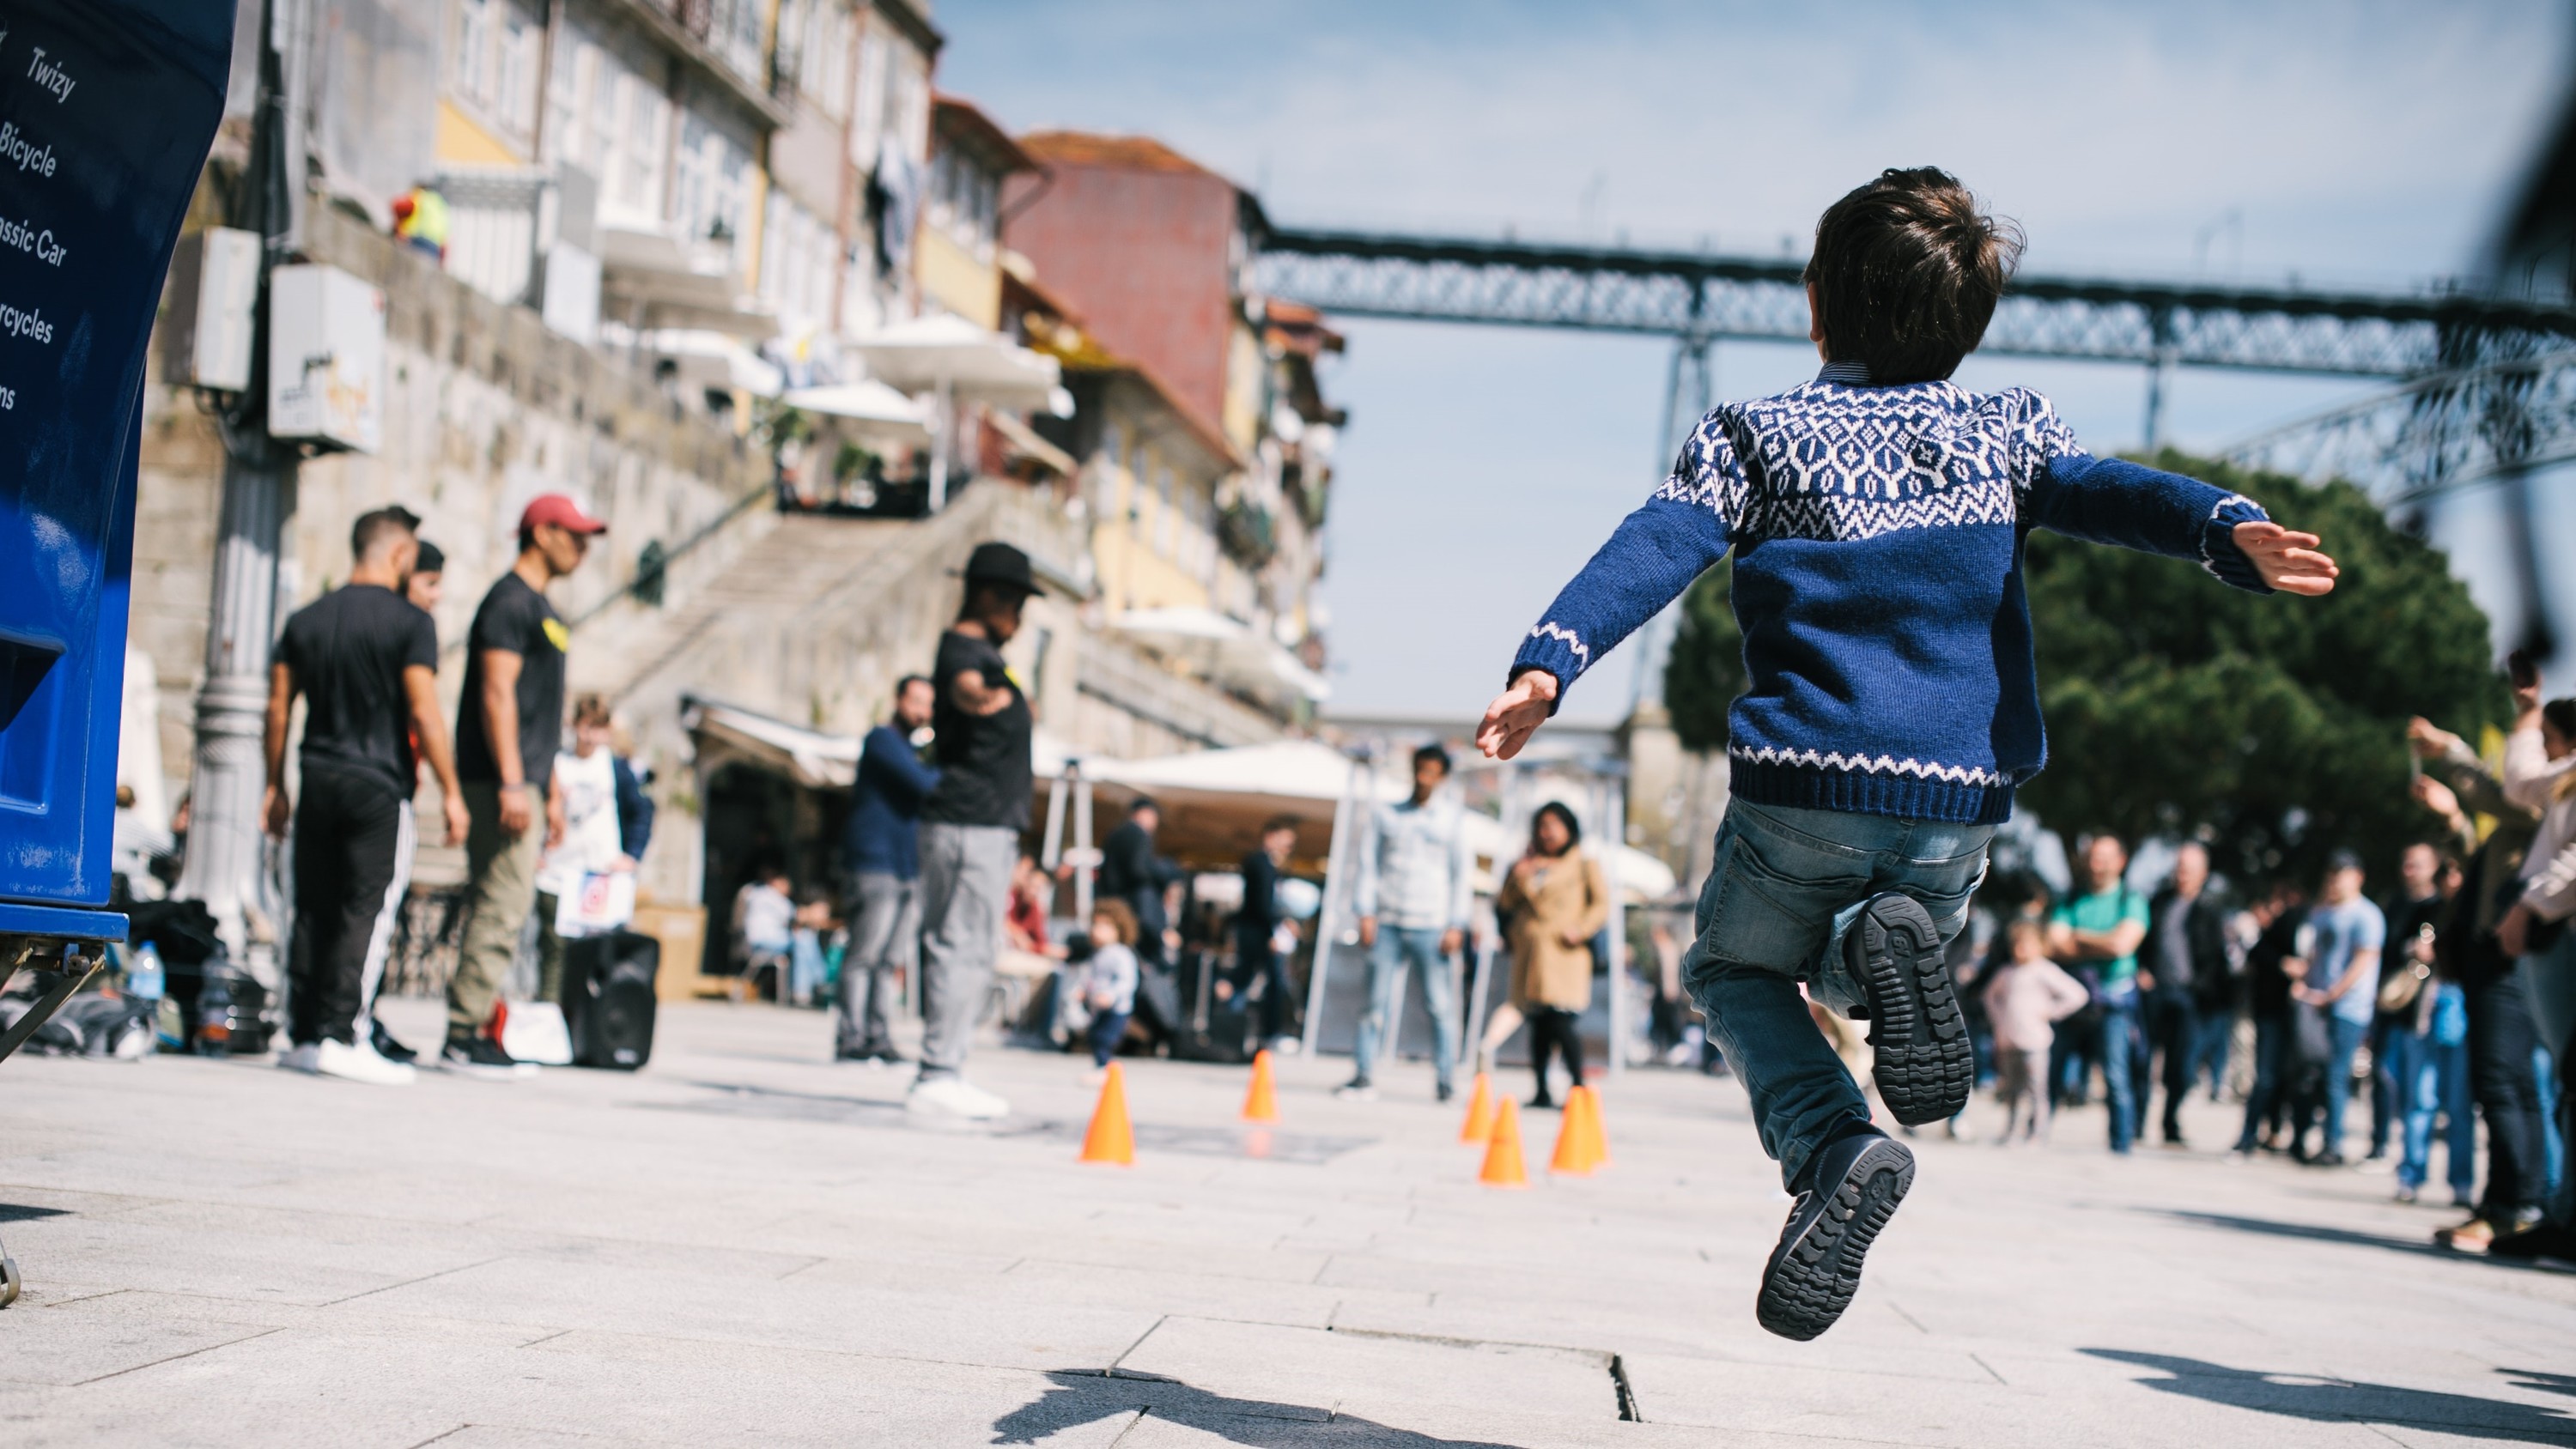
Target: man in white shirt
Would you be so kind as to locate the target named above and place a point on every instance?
(1415, 884)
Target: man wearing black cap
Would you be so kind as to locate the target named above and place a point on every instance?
(2340, 947)
(971, 824)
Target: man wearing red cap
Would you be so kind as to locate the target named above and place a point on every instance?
(509, 723)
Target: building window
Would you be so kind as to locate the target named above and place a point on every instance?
(711, 186)
(823, 64)
(604, 117)
(1164, 539)
(963, 200)
(495, 62)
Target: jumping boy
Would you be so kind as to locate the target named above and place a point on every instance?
(1877, 516)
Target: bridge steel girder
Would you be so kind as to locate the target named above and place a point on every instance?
(1687, 295)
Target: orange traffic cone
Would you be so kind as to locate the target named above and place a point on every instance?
(1503, 1153)
(1480, 1111)
(1110, 1138)
(1261, 1104)
(1600, 1132)
(1578, 1136)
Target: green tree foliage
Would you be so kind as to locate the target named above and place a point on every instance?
(2271, 726)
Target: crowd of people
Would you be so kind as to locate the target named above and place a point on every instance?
(2443, 1003)
(540, 819)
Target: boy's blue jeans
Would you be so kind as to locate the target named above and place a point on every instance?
(1784, 887)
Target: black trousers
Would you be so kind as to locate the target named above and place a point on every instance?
(353, 844)
(1255, 961)
(2173, 1029)
(2501, 1037)
(1554, 1027)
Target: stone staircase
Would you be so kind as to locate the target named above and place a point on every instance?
(792, 562)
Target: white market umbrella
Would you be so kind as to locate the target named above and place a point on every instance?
(868, 402)
(953, 358)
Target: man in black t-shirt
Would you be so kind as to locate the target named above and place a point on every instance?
(971, 824)
(366, 662)
(509, 724)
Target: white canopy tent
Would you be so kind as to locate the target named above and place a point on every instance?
(870, 406)
(1235, 790)
(1227, 650)
(951, 358)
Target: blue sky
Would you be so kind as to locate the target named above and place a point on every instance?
(2348, 144)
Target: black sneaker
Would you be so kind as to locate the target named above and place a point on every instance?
(388, 1048)
(1925, 1066)
(1443, 1092)
(480, 1056)
(1857, 1183)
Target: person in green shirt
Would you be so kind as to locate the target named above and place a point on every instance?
(2096, 935)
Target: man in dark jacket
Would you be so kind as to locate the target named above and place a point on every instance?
(1130, 871)
(2267, 987)
(2186, 959)
(881, 858)
(1256, 927)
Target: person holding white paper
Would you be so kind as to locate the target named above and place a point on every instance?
(585, 778)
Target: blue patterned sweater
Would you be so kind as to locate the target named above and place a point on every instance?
(1878, 549)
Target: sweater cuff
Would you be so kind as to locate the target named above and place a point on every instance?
(1558, 651)
(2218, 551)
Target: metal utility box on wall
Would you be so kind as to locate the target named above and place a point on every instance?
(214, 306)
(326, 358)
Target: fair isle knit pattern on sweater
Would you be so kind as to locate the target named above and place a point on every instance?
(1878, 550)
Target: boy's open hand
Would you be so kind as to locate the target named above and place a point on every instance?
(2287, 561)
(1516, 714)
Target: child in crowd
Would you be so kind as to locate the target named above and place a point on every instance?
(2026, 995)
(1109, 983)
(1892, 703)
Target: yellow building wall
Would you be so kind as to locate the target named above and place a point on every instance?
(1246, 372)
(462, 141)
(1132, 575)
(951, 276)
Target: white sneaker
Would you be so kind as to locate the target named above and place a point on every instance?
(359, 1064)
(955, 1097)
(299, 1059)
(1286, 1046)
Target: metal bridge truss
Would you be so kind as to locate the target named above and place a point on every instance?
(2494, 421)
(1691, 296)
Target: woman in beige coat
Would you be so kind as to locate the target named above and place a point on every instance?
(1556, 901)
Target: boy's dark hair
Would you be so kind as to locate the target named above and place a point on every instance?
(1433, 752)
(1907, 271)
(377, 523)
(1120, 916)
(1277, 823)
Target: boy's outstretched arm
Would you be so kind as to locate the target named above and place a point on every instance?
(2114, 501)
(1649, 560)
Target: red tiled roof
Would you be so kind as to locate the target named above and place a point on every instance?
(1118, 153)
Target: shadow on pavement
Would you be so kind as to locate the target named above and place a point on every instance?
(2310, 1231)
(2339, 1401)
(1084, 1396)
(11, 1212)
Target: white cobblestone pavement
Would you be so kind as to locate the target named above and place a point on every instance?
(745, 1245)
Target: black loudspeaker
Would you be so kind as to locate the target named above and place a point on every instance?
(608, 998)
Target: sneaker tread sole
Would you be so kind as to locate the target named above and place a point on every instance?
(1811, 1280)
(1924, 1065)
